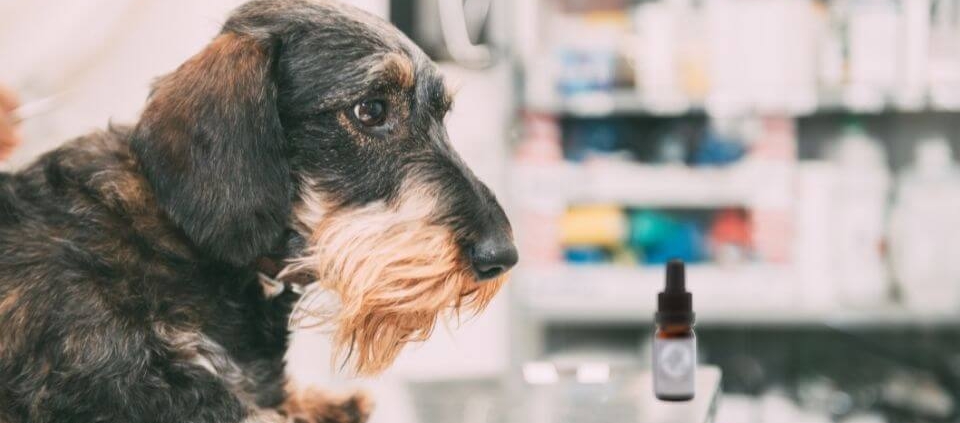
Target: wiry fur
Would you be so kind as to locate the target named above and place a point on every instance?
(309, 404)
(393, 271)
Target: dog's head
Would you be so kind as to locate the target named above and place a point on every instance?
(313, 118)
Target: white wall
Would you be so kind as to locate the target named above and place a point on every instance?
(97, 56)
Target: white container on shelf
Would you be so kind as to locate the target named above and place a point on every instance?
(657, 56)
(585, 52)
(761, 57)
(831, 60)
(925, 230)
(727, 44)
(914, 52)
(779, 62)
(872, 31)
(860, 198)
(814, 215)
(772, 162)
(944, 65)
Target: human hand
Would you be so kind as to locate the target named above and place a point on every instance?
(9, 138)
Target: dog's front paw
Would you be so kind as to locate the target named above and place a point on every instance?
(316, 406)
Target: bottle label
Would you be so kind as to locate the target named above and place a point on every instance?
(674, 366)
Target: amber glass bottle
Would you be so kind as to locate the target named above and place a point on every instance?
(674, 343)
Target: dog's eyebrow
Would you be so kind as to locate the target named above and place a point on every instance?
(395, 68)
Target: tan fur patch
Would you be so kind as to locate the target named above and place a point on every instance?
(121, 187)
(14, 320)
(314, 405)
(226, 69)
(398, 69)
(9, 301)
(393, 273)
(449, 91)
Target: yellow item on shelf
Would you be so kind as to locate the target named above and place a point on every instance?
(624, 256)
(596, 225)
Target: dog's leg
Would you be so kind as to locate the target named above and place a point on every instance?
(317, 406)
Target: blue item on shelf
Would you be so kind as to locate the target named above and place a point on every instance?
(586, 71)
(586, 255)
(591, 137)
(686, 243)
(715, 149)
(649, 227)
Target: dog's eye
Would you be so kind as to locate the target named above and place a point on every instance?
(371, 112)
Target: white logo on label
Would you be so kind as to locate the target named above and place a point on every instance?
(675, 360)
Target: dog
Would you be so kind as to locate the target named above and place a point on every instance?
(296, 168)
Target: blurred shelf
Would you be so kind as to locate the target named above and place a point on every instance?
(627, 102)
(742, 295)
(622, 102)
(632, 184)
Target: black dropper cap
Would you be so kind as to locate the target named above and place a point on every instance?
(675, 304)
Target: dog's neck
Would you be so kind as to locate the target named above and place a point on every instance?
(101, 164)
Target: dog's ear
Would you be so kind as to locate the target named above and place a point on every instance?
(211, 144)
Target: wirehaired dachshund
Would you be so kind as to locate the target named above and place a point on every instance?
(297, 169)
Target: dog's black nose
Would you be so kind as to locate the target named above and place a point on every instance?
(493, 255)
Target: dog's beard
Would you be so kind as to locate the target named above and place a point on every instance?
(391, 272)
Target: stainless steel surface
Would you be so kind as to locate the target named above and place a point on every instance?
(626, 398)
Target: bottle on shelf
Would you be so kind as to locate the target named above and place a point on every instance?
(674, 344)
(927, 203)
(860, 198)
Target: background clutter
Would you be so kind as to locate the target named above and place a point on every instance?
(800, 155)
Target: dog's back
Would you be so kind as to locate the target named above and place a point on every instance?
(99, 294)
(59, 253)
